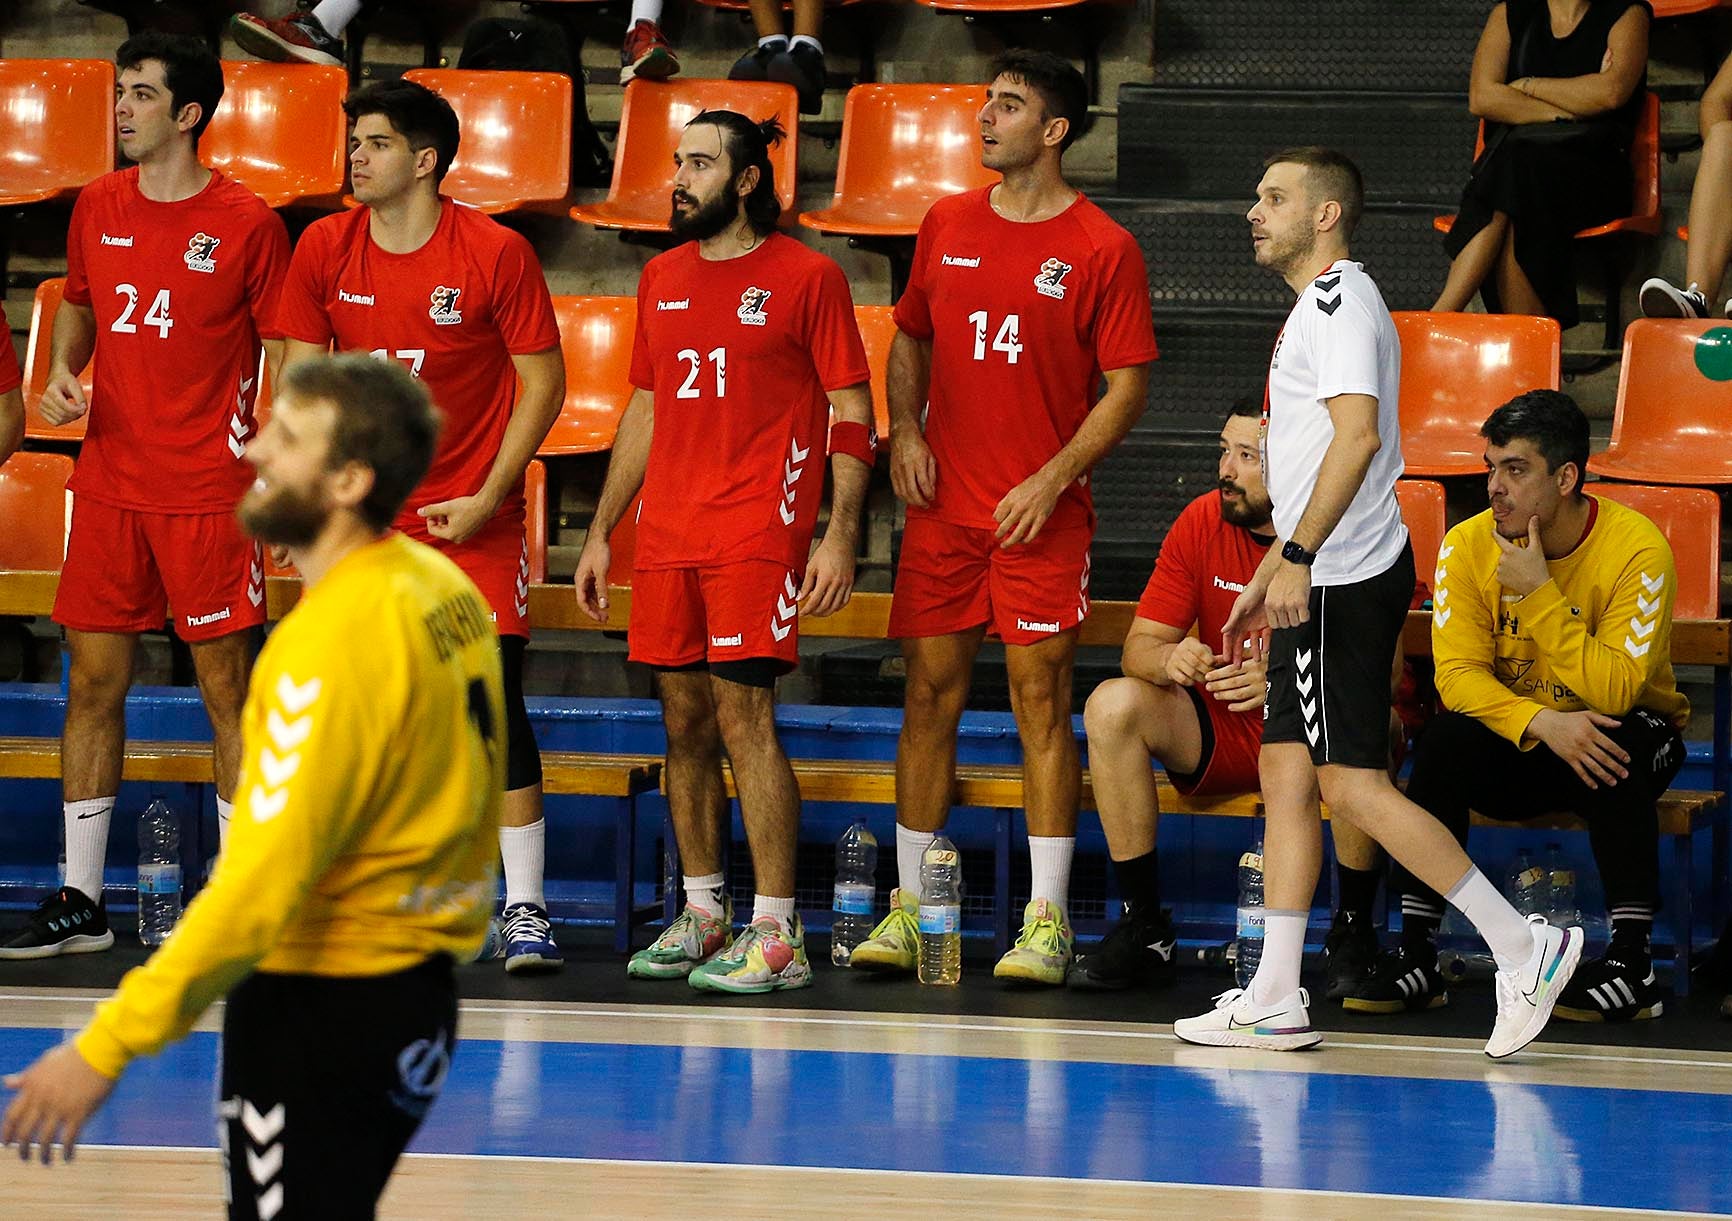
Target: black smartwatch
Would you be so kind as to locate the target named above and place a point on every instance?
(1293, 553)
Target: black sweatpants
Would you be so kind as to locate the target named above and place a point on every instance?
(323, 1083)
(1460, 765)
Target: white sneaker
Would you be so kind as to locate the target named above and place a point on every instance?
(1661, 299)
(1525, 997)
(1236, 1021)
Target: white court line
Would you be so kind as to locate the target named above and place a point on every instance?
(1318, 1192)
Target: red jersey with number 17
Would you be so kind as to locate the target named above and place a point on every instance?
(183, 293)
(741, 354)
(454, 312)
(1022, 319)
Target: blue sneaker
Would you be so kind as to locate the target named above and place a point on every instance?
(529, 945)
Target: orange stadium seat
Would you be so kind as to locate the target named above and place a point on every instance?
(36, 361)
(1684, 8)
(877, 329)
(650, 123)
(903, 146)
(59, 127)
(1456, 369)
(1422, 511)
(987, 7)
(1674, 401)
(595, 336)
(1690, 520)
(280, 132)
(516, 146)
(34, 505)
(535, 518)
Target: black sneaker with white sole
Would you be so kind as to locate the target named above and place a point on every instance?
(66, 922)
(1399, 982)
(1135, 953)
(1616, 988)
(1660, 298)
(1349, 953)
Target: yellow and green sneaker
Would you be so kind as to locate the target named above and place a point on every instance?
(693, 938)
(1042, 954)
(894, 946)
(763, 958)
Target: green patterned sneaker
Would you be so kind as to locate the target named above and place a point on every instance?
(762, 958)
(1043, 953)
(693, 938)
(894, 946)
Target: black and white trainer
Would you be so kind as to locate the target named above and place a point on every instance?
(1661, 298)
(1618, 987)
(1136, 952)
(1399, 982)
(66, 922)
(1349, 953)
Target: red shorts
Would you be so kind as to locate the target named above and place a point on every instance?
(1231, 742)
(496, 558)
(682, 616)
(125, 568)
(952, 578)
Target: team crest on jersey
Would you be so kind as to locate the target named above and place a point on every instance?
(199, 250)
(1050, 281)
(751, 309)
(444, 311)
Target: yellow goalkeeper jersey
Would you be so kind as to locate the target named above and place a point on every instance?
(364, 835)
(1597, 636)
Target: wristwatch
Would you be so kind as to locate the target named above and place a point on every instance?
(1293, 553)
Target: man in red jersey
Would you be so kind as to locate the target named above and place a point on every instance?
(746, 341)
(11, 403)
(172, 277)
(460, 300)
(1021, 296)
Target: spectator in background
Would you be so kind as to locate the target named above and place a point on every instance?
(796, 61)
(313, 35)
(11, 402)
(1710, 243)
(1559, 85)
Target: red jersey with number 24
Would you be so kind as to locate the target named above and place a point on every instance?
(454, 312)
(741, 355)
(183, 293)
(1022, 319)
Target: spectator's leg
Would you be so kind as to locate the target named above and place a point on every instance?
(1516, 293)
(335, 15)
(1711, 200)
(1471, 268)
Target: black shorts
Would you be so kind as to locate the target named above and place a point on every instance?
(1329, 677)
(323, 1083)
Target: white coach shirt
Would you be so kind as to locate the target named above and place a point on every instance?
(1339, 339)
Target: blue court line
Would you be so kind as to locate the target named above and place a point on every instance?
(1077, 1120)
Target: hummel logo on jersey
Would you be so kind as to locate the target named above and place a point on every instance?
(751, 311)
(1050, 281)
(349, 298)
(685, 303)
(1229, 585)
(116, 241)
(444, 310)
(1328, 284)
(201, 620)
(954, 260)
(727, 642)
(1025, 625)
(199, 250)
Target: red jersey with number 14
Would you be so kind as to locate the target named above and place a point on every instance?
(1022, 319)
(183, 293)
(741, 354)
(454, 312)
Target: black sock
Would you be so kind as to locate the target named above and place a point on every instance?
(1420, 920)
(1140, 886)
(1632, 929)
(1358, 891)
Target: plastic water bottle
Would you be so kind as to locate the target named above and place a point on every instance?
(856, 888)
(1529, 887)
(1561, 879)
(941, 913)
(158, 873)
(1250, 942)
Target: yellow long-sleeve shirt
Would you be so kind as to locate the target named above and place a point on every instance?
(1597, 636)
(364, 833)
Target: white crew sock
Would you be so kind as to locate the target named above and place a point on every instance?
(335, 15)
(1283, 949)
(1049, 860)
(781, 909)
(705, 892)
(910, 847)
(644, 10)
(773, 42)
(808, 40)
(524, 850)
(225, 811)
(1502, 926)
(86, 843)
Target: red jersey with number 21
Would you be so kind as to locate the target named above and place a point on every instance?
(1022, 319)
(741, 355)
(454, 312)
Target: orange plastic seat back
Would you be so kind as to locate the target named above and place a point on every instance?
(1690, 520)
(279, 131)
(1674, 404)
(595, 337)
(535, 519)
(516, 146)
(903, 147)
(58, 116)
(1456, 369)
(1422, 511)
(36, 362)
(1644, 214)
(35, 507)
(877, 330)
